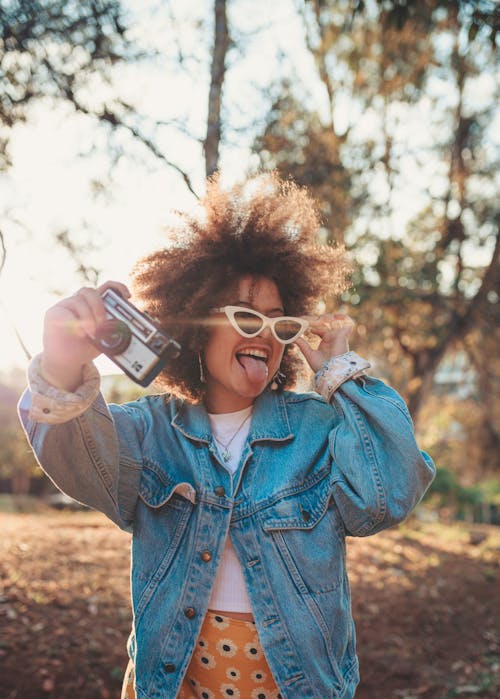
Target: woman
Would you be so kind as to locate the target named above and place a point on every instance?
(239, 493)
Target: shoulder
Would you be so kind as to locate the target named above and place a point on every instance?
(307, 403)
(149, 408)
(305, 399)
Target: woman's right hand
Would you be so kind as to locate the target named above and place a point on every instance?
(69, 328)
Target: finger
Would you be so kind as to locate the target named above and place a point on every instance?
(337, 322)
(63, 317)
(84, 321)
(91, 307)
(117, 286)
(306, 349)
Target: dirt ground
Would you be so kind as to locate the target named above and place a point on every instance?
(425, 598)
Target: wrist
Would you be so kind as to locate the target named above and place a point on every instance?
(61, 375)
(327, 357)
(56, 404)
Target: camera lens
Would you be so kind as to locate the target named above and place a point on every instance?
(113, 336)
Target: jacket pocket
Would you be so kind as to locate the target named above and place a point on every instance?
(161, 520)
(308, 535)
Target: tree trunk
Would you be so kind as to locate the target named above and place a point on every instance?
(221, 43)
(425, 367)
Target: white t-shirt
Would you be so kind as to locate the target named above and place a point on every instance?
(229, 592)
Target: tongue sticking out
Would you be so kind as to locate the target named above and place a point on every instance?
(256, 369)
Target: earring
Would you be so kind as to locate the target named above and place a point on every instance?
(278, 379)
(202, 373)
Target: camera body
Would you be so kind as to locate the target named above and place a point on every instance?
(132, 340)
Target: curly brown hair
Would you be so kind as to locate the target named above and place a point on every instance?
(263, 227)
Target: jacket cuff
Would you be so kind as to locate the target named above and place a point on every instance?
(54, 405)
(338, 369)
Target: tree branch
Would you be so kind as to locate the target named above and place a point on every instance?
(115, 121)
(489, 283)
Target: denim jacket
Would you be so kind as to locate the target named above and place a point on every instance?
(311, 473)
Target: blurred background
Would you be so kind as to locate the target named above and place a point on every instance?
(113, 112)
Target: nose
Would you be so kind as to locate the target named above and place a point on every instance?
(266, 333)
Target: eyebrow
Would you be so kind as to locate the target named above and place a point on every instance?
(279, 309)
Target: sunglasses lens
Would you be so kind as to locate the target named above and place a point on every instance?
(248, 323)
(287, 329)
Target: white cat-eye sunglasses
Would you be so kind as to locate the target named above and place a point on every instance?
(250, 323)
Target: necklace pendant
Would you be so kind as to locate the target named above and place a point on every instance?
(226, 456)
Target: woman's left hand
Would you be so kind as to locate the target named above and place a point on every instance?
(334, 329)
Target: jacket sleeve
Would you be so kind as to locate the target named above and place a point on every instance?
(88, 458)
(378, 472)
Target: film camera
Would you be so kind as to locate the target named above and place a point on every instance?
(132, 340)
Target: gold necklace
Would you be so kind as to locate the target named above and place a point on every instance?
(226, 454)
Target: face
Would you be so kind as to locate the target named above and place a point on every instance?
(238, 369)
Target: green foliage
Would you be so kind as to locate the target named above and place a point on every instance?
(451, 492)
(478, 15)
(491, 490)
(478, 502)
(16, 459)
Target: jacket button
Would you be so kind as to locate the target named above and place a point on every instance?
(206, 556)
(220, 491)
(169, 667)
(190, 612)
(305, 515)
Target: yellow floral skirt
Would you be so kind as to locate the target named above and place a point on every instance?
(228, 663)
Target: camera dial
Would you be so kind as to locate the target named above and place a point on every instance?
(113, 336)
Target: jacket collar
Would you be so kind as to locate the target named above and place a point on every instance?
(269, 420)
